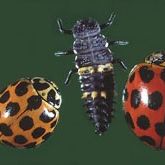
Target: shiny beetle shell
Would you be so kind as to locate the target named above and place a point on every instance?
(144, 100)
(28, 112)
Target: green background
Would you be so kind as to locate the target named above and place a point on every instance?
(28, 39)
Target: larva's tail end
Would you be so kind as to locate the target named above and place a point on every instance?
(101, 129)
(98, 133)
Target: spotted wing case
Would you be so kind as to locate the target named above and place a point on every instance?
(143, 100)
(28, 112)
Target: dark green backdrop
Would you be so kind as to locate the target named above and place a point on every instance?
(28, 39)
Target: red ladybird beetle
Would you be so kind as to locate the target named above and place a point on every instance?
(28, 112)
(144, 100)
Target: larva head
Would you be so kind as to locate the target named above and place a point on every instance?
(157, 58)
(86, 28)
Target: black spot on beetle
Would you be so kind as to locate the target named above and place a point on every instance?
(51, 97)
(34, 102)
(12, 108)
(5, 130)
(146, 74)
(53, 124)
(148, 140)
(38, 132)
(20, 139)
(135, 98)
(57, 102)
(40, 86)
(22, 88)
(143, 122)
(26, 123)
(155, 100)
(160, 129)
(5, 97)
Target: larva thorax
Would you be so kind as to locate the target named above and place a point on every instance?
(90, 46)
(86, 28)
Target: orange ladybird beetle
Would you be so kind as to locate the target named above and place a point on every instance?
(144, 100)
(28, 112)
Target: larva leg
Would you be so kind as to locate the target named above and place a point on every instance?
(70, 73)
(118, 42)
(63, 53)
(62, 29)
(119, 61)
(109, 22)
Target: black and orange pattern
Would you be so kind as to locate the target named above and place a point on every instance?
(28, 112)
(144, 102)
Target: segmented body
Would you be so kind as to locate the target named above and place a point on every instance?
(94, 65)
(95, 69)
